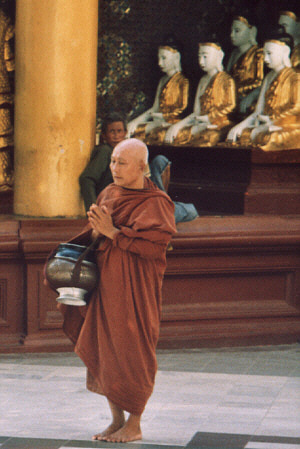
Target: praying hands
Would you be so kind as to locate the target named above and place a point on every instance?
(101, 221)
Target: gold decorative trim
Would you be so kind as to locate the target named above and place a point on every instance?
(243, 19)
(166, 47)
(275, 41)
(210, 44)
(290, 14)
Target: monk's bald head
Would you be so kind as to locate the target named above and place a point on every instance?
(134, 148)
(128, 162)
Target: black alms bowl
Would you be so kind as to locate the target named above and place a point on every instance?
(72, 283)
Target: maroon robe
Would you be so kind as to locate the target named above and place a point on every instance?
(116, 334)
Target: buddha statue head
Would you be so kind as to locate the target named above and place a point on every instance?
(243, 32)
(288, 20)
(277, 49)
(169, 58)
(210, 57)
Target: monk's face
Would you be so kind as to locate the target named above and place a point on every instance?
(127, 168)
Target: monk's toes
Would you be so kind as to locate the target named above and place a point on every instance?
(98, 437)
(112, 439)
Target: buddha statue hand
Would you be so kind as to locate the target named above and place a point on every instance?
(263, 128)
(264, 119)
(236, 132)
(143, 118)
(274, 128)
(202, 123)
(172, 133)
(197, 129)
(202, 119)
(157, 116)
(262, 124)
(131, 127)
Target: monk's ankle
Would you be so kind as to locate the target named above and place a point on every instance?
(118, 422)
(134, 422)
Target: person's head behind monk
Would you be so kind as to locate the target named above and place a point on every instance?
(128, 161)
(113, 129)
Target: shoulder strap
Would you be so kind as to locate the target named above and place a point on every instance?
(77, 266)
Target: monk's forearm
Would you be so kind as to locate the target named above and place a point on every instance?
(139, 246)
(108, 233)
(95, 234)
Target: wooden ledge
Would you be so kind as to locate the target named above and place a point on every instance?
(230, 280)
(234, 231)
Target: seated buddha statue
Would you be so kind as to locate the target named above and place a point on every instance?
(275, 123)
(7, 66)
(288, 20)
(245, 63)
(214, 101)
(170, 101)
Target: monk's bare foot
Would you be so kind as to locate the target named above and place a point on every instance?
(127, 433)
(111, 429)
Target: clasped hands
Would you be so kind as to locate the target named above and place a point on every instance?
(101, 221)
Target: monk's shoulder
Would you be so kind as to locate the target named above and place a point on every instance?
(159, 200)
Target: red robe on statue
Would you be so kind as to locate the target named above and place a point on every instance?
(116, 334)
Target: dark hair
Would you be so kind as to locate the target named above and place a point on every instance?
(210, 38)
(170, 41)
(111, 118)
(280, 35)
(246, 14)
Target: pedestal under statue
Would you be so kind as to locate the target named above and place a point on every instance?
(171, 98)
(245, 63)
(6, 103)
(214, 101)
(274, 125)
(291, 25)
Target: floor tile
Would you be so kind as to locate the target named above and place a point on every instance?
(218, 441)
(222, 396)
(103, 445)
(32, 443)
(265, 445)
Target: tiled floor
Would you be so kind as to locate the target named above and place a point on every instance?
(222, 398)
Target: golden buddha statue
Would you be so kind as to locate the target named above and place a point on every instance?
(275, 123)
(245, 63)
(171, 98)
(6, 103)
(288, 20)
(214, 101)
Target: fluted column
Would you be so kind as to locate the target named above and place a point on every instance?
(55, 103)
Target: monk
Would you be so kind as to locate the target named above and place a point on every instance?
(116, 333)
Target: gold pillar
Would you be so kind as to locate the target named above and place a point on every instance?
(55, 103)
